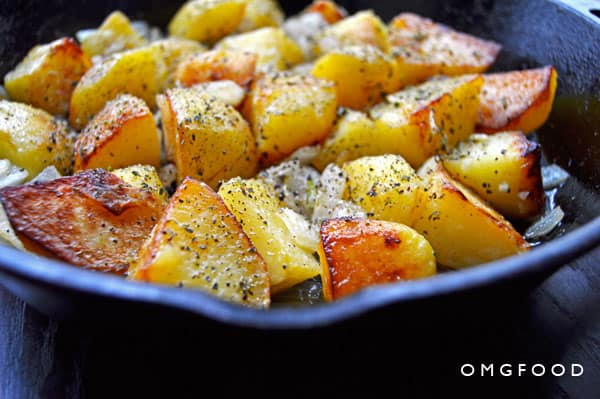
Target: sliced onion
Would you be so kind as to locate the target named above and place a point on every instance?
(49, 173)
(553, 176)
(10, 175)
(7, 234)
(544, 225)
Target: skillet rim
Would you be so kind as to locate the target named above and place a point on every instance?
(541, 260)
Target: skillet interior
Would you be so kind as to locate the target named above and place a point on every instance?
(533, 33)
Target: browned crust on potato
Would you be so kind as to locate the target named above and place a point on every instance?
(355, 250)
(532, 153)
(93, 219)
(410, 32)
(105, 125)
(330, 11)
(507, 96)
(235, 65)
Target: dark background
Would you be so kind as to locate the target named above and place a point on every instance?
(409, 352)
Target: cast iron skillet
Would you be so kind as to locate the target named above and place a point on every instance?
(533, 32)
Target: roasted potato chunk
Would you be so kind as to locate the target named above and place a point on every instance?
(206, 138)
(114, 35)
(358, 253)
(93, 219)
(172, 51)
(329, 10)
(363, 74)
(137, 72)
(386, 187)
(236, 65)
(287, 112)
(461, 228)
(122, 134)
(207, 20)
(199, 244)
(360, 29)
(416, 123)
(283, 240)
(47, 75)
(504, 169)
(518, 100)
(32, 139)
(146, 178)
(424, 49)
(260, 14)
(274, 49)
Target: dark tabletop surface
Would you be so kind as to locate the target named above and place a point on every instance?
(557, 322)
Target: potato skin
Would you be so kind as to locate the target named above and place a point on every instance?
(275, 50)
(236, 65)
(45, 78)
(32, 139)
(363, 74)
(424, 49)
(386, 187)
(461, 228)
(122, 134)
(287, 112)
(207, 20)
(136, 72)
(288, 254)
(518, 100)
(114, 35)
(199, 244)
(206, 138)
(330, 11)
(358, 253)
(360, 29)
(93, 219)
(504, 169)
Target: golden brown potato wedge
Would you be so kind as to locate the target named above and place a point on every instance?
(207, 20)
(260, 14)
(275, 50)
(282, 237)
(504, 169)
(206, 138)
(287, 112)
(122, 134)
(329, 10)
(32, 139)
(45, 78)
(518, 100)
(461, 228)
(199, 244)
(416, 123)
(114, 35)
(93, 219)
(137, 72)
(236, 65)
(363, 74)
(385, 186)
(144, 177)
(360, 29)
(424, 49)
(358, 253)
